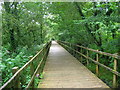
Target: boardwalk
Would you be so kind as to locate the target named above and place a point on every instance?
(62, 70)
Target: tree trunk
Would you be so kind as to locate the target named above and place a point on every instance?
(41, 28)
(12, 39)
(9, 10)
(97, 42)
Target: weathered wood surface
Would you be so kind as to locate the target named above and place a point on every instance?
(99, 52)
(62, 70)
(97, 63)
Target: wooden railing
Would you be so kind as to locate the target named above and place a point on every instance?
(18, 75)
(74, 48)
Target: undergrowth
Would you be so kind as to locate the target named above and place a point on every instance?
(16, 59)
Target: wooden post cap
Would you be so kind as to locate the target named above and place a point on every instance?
(15, 68)
(30, 57)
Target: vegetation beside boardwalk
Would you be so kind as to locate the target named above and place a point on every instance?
(27, 26)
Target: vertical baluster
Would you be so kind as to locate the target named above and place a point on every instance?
(38, 60)
(76, 52)
(72, 52)
(87, 58)
(40, 69)
(97, 67)
(70, 49)
(81, 55)
(45, 49)
(31, 72)
(48, 48)
(114, 75)
(16, 81)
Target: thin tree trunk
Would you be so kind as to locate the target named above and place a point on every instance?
(41, 28)
(11, 29)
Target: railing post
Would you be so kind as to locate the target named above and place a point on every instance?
(72, 52)
(46, 51)
(48, 48)
(70, 49)
(97, 67)
(115, 76)
(81, 55)
(31, 72)
(39, 58)
(16, 81)
(76, 52)
(87, 59)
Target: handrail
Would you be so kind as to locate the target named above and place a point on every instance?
(47, 46)
(114, 71)
(36, 71)
(100, 52)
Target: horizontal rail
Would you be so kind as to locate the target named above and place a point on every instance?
(102, 65)
(34, 73)
(22, 68)
(37, 69)
(99, 52)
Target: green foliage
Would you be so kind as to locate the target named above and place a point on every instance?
(8, 62)
(19, 58)
(26, 26)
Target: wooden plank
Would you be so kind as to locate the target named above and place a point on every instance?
(102, 65)
(62, 70)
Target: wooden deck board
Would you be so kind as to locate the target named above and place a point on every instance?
(62, 70)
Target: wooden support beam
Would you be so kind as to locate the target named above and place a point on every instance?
(87, 58)
(97, 67)
(16, 81)
(31, 72)
(81, 55)
(114, 75)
